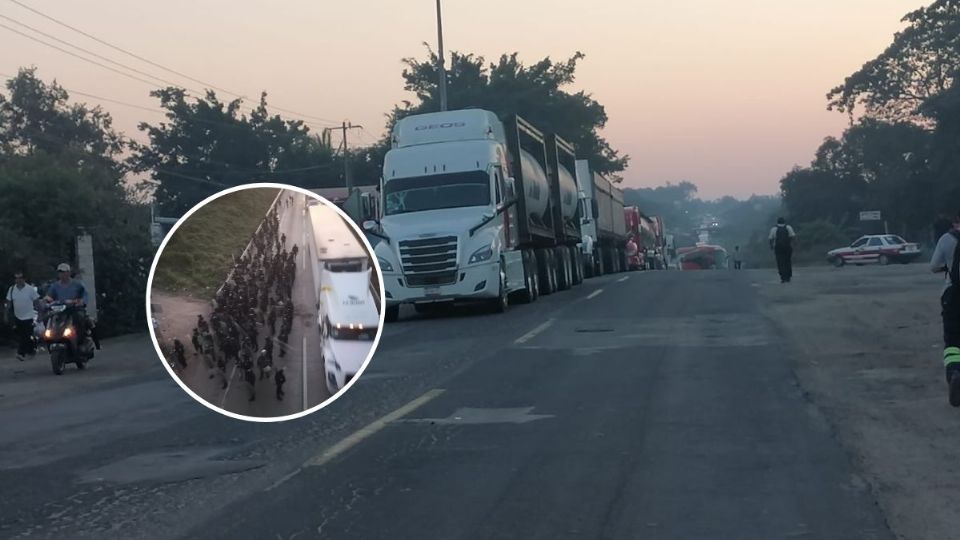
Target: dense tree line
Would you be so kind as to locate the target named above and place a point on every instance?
(65, 169)
(901, 155)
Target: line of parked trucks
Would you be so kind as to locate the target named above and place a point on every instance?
(472, 208)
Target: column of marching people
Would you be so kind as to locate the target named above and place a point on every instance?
(253, 313)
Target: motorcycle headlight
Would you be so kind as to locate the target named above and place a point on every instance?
(384, 265)
(48, 333)
(481, 255)
(68, 332)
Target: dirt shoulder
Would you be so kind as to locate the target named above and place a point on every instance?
(868, 348)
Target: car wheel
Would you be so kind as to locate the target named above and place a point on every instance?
(838, 262)
(884, 260)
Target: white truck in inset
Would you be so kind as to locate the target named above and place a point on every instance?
(475, 209)
(347, 314)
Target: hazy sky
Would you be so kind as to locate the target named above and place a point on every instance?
(729, 95)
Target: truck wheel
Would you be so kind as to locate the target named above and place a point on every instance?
(563, 269)
(527, 296)
(577, 266)
(392, 313)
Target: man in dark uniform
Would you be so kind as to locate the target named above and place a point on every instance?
(946, 259)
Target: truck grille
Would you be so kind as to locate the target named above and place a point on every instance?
(431, 261)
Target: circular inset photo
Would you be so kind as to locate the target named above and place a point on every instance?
(266, 302)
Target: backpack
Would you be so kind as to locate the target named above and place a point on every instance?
(783, 237)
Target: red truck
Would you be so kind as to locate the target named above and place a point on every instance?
(645, 240)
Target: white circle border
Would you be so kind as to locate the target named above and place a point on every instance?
(265, 419)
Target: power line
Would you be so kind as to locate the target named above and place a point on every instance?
(91, 53)
(124, 51)
(155, 64)
(78, 56)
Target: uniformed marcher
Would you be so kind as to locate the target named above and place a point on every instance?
(946, 259)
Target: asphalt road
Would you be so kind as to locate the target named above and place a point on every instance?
(656, 405)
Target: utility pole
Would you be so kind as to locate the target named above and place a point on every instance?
(346, 158)
(440, 61)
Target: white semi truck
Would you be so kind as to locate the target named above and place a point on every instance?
(347, 314)
(475, 209)
(603, 224)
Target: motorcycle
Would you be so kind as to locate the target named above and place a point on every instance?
(62, 339)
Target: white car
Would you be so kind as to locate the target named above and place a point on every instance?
(875, 249)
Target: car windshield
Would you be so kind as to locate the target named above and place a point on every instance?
(434, 192)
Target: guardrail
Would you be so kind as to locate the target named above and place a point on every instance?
(247, 248)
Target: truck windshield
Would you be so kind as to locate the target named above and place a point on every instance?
(352, 334)
(345, 266)
(437, 191)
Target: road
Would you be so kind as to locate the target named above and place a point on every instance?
(644, 405)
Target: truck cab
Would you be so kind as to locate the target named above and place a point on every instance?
(349, 322)
(448, 224)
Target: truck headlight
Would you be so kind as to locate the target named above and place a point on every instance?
(384, 265)
(481, 255)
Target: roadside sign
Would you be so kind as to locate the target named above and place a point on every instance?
(872, 215)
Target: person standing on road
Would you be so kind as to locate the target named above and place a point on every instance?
(946, 258)
(781, 242)
(197, 347)
(737, 258)
(279, 379)
(251, 381)
(21, 298)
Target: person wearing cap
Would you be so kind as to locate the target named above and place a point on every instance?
(72, 293)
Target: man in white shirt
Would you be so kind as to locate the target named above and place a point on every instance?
(781, 242)
(23, 296)
(946, 259)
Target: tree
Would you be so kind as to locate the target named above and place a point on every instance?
(508, 87)
(58, 177)
(207, 145)
(922, 62)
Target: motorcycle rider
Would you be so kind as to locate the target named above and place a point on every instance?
(72, 293)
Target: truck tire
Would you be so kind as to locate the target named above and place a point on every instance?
(526, 296)
(563, 268)
(543, 271)
(502, 302)
(392, 314)
(577, 266)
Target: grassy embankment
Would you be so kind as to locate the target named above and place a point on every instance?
(199, 256)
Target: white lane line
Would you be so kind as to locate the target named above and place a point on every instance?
(624, 278)
(533, 333)
(365, 432)
(594, 294)
(304, 358)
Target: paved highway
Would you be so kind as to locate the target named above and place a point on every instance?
(657, 405)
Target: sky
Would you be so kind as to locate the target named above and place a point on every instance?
(728, 95)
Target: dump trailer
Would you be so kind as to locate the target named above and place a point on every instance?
(475, 209)
(603, 225)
